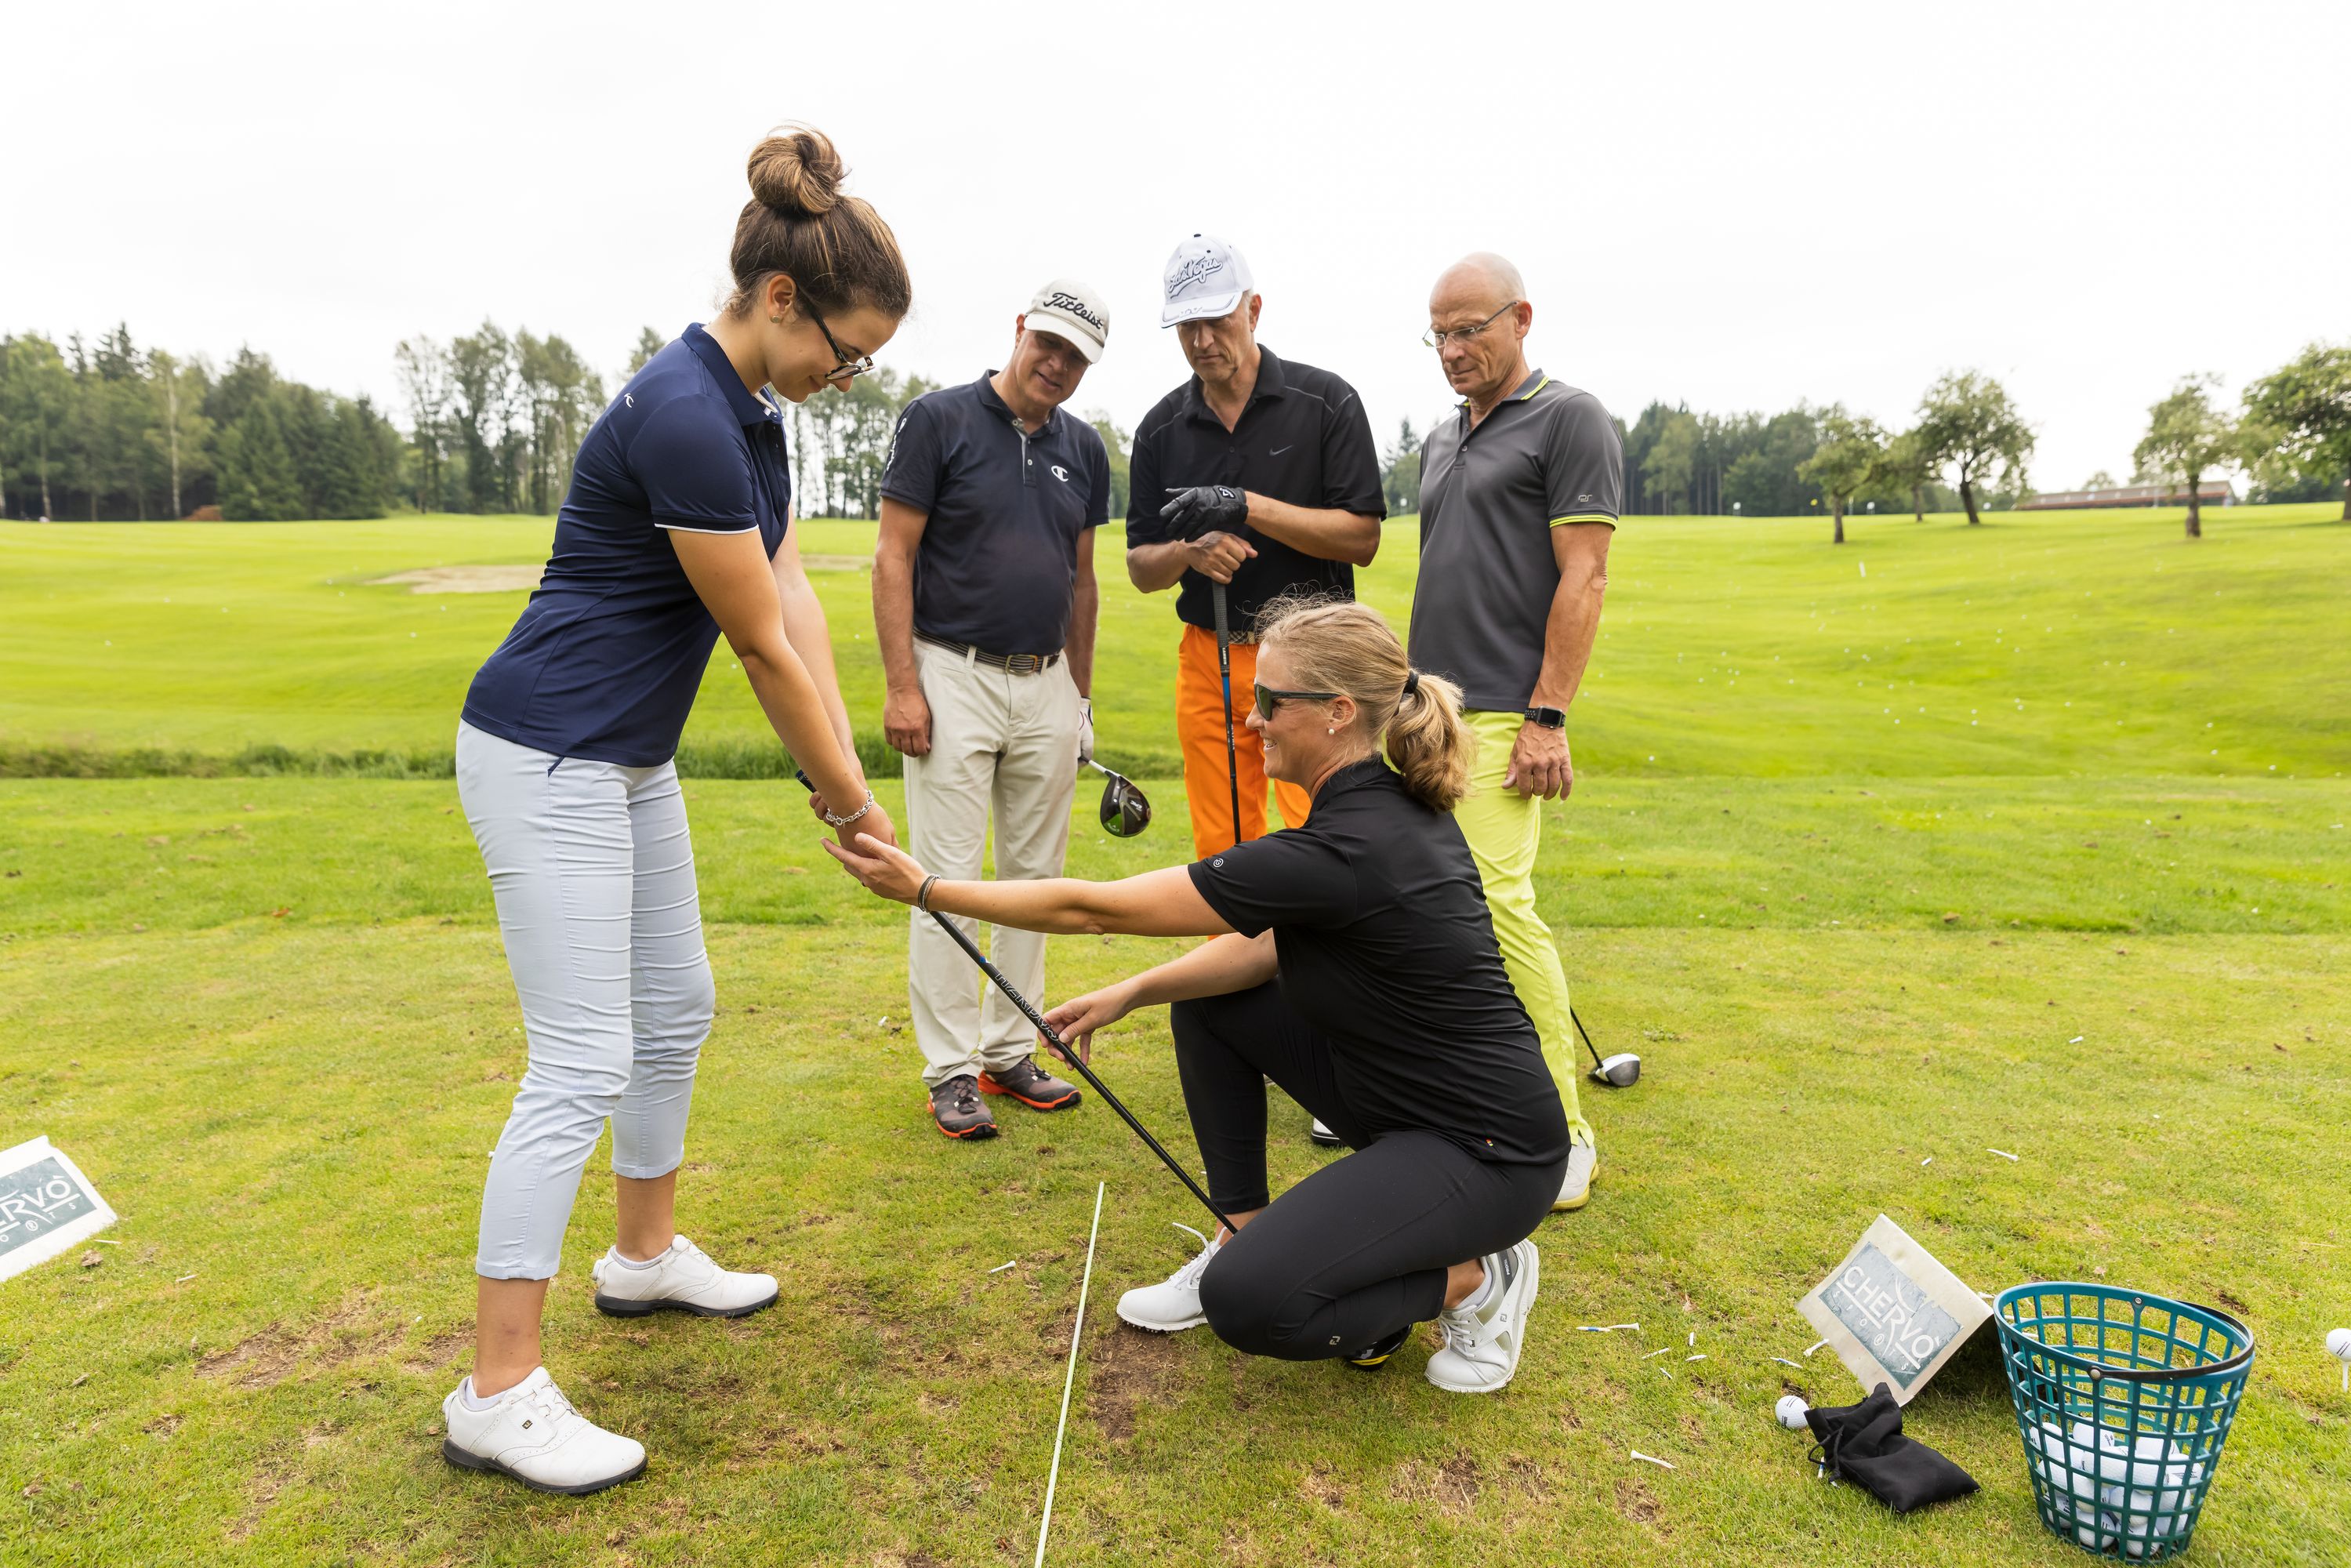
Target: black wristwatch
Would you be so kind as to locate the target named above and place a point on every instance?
(1548, 717)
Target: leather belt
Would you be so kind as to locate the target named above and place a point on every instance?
(1011, 663)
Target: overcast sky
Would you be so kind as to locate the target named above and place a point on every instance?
(1735, 207)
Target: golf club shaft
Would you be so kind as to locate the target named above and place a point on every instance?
(1587, 1038)
(1224, 676)
(995, 975)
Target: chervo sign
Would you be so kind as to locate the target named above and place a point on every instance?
(46, 1206)
(1893, 1313)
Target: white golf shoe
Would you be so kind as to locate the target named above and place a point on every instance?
(531, 1433)
(1575, 1187)
(1175, 1304)
(681, 1279)
(1482, 1343)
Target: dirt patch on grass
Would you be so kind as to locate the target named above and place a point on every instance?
(440, 1354)
(1452, 1486)
(1636, 1502)
(1132, 1367)
(269, 1357)
(269, 1479)
(1321, 1485)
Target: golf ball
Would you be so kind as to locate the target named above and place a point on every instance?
(1790, 1412)
(2339, 1344)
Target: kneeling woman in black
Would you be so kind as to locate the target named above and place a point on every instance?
(1355, 966)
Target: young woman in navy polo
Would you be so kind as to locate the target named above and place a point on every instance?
(675, 532)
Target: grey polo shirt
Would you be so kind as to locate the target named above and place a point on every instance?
(1489, 497)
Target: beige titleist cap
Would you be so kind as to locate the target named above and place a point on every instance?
(1070, 309)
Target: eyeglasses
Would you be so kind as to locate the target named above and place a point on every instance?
(848, 369)
(1433, 338)
(1269, 701)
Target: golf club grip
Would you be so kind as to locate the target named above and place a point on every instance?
(995, 975)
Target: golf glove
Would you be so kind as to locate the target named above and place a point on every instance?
(1206, 509)
(1085, 731)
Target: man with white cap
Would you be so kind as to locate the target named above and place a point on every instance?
(1257, 477)
(984, 604)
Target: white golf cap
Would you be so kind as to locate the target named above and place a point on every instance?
(1206, 278)
(1070, 309)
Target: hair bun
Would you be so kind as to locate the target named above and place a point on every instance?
(797, 172)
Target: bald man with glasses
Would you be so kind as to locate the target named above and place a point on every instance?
(1519, 500)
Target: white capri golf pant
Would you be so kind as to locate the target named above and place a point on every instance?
(593, 875)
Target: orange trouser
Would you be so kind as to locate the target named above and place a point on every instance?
(1200, 731)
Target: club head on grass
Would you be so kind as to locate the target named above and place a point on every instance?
(1619, 1071)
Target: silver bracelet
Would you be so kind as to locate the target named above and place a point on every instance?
(832, 820)
(922, 896)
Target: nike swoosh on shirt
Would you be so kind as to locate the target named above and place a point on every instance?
(1280, 450)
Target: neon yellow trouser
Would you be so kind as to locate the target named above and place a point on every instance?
(1505, 828)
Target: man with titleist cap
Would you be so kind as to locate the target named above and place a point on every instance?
(983, 605)
(1519, 498)
(1258, 474)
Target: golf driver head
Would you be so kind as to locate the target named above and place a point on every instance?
(1125, 811)
(1619, 1071)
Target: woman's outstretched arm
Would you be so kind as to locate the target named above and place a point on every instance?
(1155, 903)
(1228, 963)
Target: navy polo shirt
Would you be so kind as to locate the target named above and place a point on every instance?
(609, 653)
(997, 564)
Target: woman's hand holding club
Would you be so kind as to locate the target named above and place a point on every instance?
(1076, 1020)
(876, 821)
(878, 863)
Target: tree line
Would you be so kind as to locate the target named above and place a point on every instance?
(111, 432)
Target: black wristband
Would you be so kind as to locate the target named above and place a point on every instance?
(1548, 717)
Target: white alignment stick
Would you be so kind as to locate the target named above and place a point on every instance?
(1070, 1379)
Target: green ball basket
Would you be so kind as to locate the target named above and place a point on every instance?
(2124, 1400)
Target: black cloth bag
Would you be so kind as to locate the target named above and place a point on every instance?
(1863, 1444)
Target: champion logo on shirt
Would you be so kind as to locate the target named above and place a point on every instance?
(1060, 473)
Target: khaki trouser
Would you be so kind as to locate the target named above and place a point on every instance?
(1504, 830)
(998, 740)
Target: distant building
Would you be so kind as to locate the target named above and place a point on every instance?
(2211, 493)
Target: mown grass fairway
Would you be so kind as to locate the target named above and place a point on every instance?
(271, 1017)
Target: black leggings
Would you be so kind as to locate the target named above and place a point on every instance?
(1358, 1249)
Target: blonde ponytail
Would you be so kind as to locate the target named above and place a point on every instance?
(1339, 645)
(1428, 743)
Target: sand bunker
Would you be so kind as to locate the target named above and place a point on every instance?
(464, 579)
(520, 579)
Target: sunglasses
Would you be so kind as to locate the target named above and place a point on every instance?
(1269, 701)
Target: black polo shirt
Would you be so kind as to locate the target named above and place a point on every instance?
(998, 565)
(1386, 944)
(1303, 438)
